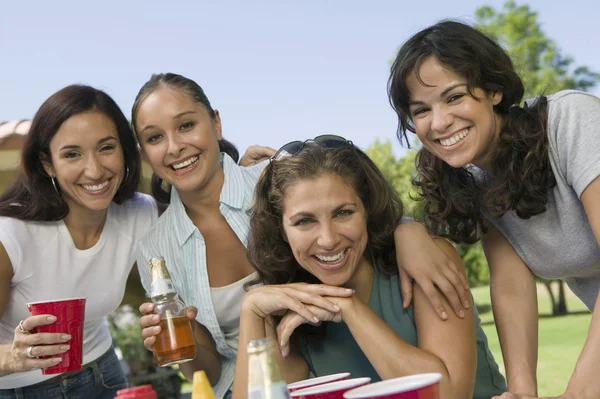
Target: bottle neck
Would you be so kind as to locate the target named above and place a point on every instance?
(163, 286)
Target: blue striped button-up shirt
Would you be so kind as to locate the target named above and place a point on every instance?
(177, 239)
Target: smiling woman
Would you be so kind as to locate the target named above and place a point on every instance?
(68, 228)
(328, 260)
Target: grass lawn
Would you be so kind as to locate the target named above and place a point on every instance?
(560, 338)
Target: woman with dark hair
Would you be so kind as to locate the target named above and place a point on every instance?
(68, 228)
(203, 233)
(523, 179)
(322, 240)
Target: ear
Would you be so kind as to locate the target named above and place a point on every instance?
(47, 165)
(283, 235)
(218, 126)
(496, 97)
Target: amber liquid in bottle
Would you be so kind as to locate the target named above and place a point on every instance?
(175, 342)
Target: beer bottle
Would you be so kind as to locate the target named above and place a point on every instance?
(201, 386)
(175, 342)
(264, 377)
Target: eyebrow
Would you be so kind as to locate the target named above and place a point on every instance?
(75, 147)
(179, 115)
(442, 94)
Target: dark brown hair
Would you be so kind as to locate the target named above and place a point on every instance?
(267, 250)
(32, 196)
(455, 200)
(196, 93)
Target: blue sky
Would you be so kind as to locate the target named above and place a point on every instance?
(277, 70)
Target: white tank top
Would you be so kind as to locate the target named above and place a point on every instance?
(47, 265)
(227, 302)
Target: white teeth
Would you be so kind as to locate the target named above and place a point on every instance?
(455, 139)
(330, 259)
(185, 163)
(96, 187)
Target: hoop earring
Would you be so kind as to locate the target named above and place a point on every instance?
(126, 174)
(53, 180)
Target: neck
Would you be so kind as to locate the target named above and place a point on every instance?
(486, 161)
(205, 200)
(85, 227)
(362, 280)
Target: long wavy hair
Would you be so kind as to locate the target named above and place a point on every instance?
(32, 196)
(454, 199)
(272, 256)
(161, 191)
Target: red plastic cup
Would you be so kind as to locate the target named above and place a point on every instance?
(419, 386)
(70, 315)
(331, 390)
(141, 392)
(294, 386)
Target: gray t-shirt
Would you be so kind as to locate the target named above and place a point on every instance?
(559, 243)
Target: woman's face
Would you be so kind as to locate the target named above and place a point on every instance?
(87, 161)
(451, 124)
(179, 138)
(327, 232)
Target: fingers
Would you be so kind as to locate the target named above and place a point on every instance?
(191, 312)
(406, 285)
(30, 323)
(43, 339)
(458, 271)
(314, 299)
(286, 328)
(323, 289)
(146, 308)
(435, 299)
(452, 296)
(149, 320)
(48, 350)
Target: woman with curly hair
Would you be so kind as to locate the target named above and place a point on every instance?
(523, 179)
(322, 241)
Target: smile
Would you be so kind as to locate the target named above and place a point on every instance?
(332, 260)
(455, 138)
(188, 162)
(95, 188)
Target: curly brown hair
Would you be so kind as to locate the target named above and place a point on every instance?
(272, 256)
(455, 200)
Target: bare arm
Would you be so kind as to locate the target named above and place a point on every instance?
(13, 356)
(584, 382)
(447, 347)
(514, 302)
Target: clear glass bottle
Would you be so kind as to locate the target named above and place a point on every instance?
(175, 342)
(264, 376)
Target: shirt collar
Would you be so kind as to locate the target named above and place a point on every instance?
(233, 195)
(233, 192)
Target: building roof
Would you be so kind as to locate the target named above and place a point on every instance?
(12, 128)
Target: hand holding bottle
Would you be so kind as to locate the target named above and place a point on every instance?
(150, 322)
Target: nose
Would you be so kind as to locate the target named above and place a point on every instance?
(440, 120)
(175, 145)
(328, 238)
(93, 168)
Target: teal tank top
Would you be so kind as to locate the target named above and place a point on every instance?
(338, 352)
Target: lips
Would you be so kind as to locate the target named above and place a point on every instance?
(186, 163)
(99, 188)
(454, 138)
(333, 261)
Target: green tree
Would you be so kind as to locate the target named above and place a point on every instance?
(543, 67)
(539, 61)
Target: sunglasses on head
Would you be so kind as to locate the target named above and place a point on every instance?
(326, 141)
